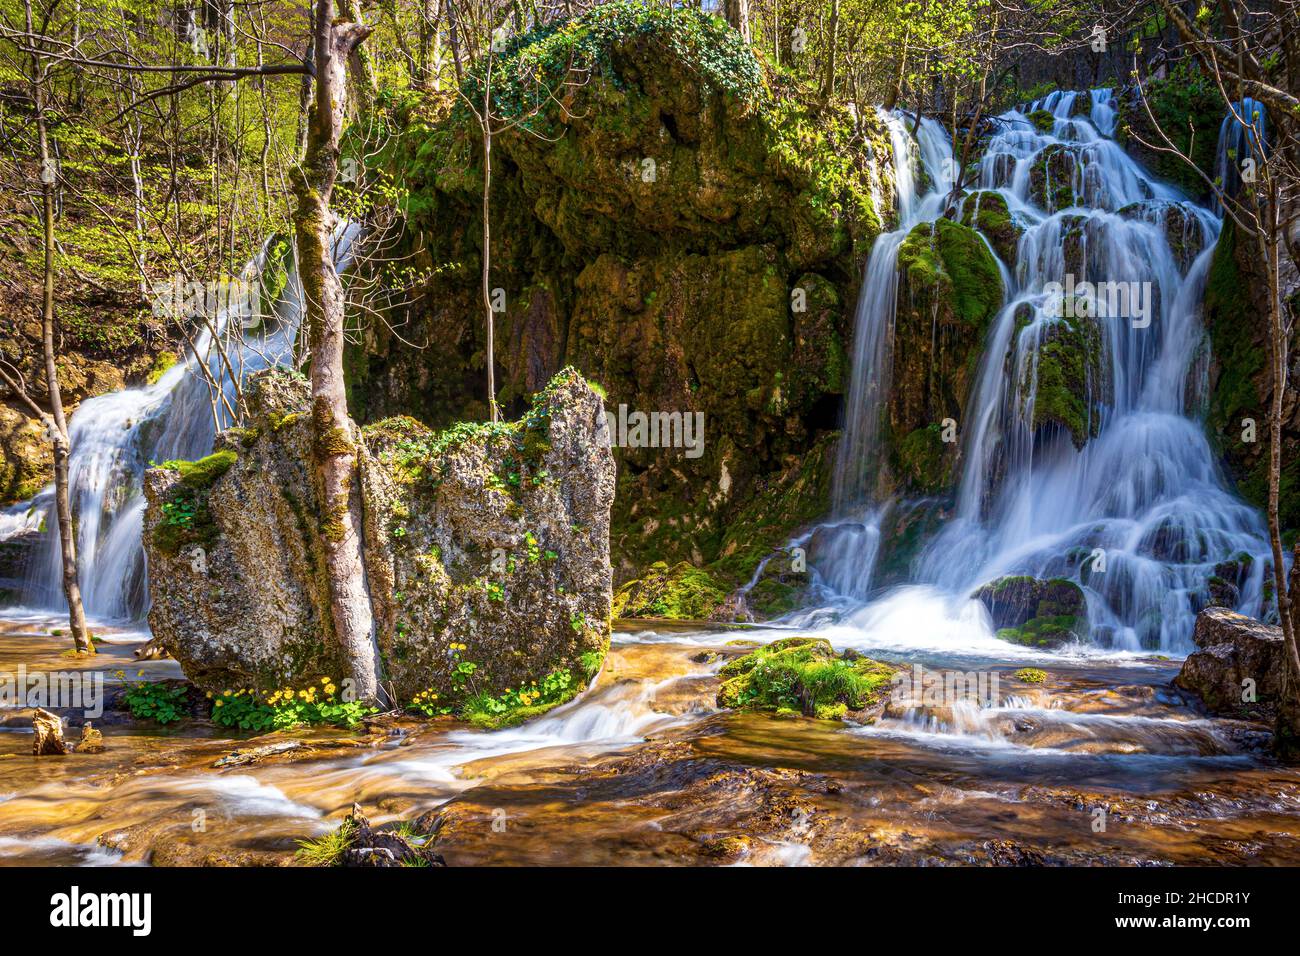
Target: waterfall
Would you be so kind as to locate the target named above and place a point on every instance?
(1137, 513)
(1243, 139)
(116, 436)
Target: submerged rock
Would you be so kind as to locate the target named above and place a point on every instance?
(1035, 612)
(486, 551)
(48, 731)
(1239, 669)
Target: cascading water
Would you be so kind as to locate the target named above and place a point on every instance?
(116, 436)
(1137, 514)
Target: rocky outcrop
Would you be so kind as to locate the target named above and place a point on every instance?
(1067, 378)
(987, 211)
(949, 290)
(1035, 612)
(689, 232)
(1238, 668)
(486, 550)
(804, 675)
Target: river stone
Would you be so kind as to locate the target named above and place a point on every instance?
(48, 730)
(1233, 649)
(491, 537)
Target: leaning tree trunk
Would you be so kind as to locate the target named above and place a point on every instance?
(58, 425)
(335, 449)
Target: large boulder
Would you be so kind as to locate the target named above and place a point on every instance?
(1238, 668)
(1035, 612)
(486, 549)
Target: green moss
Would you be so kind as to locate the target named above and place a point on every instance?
(681, 592)
(186, 520)
(925, 461)
(1043, 120)
(163, 362)
(1030, 675)
(951, 261)
(1068, 389)
(1044, 631)
(804, 676)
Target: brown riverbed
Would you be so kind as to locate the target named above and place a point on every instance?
(1099, 764)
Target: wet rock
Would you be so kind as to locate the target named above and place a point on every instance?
(1239, 669)
(987, 211)
(1035, 612)
(679, 592)
(1068, 380)
(92, 741)
(48, 729)
(483, 544)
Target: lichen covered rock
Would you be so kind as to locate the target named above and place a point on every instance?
(486, 551)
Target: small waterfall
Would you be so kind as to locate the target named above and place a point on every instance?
(116, 436)
(1134, 509)
(1243, 138)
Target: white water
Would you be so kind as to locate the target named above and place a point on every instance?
(116, 436)
(1144, 495)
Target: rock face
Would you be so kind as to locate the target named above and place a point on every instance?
(690, 234)
(486, 549)
(949, 290)
(1240, 383)
(1233, 650)
(1035, 612)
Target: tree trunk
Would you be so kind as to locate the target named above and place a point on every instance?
(58, 424)
(737, 14)
(334, 454)
(486, 122)
(363, 86)
(828, 85)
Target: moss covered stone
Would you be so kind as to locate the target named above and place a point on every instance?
(679, 592)
(1035, 612)
(689, 233)
(986, 210)
(802, 675)
(1066, 382)
(950, 289)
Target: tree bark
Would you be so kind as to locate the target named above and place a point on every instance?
(335, 452)
(737, 14)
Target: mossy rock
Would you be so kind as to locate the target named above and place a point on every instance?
(801, 675)
(804, 675)
(1035, 612)
(680, 592)
(1052, 177)
(986, 210)
(1071, 387)
(1043, 120)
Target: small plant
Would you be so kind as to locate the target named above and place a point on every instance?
(1030, 675)
(247, 710)
(329, 849)
(148, 700)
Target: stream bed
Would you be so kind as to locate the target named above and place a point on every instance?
(1101, 763)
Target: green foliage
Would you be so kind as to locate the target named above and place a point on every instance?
(248, 710)
(163, 703)
(535, 63)
(186, 520)
(1030, 675)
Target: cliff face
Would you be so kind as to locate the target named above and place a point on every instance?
(688, 236)
(486, 548)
